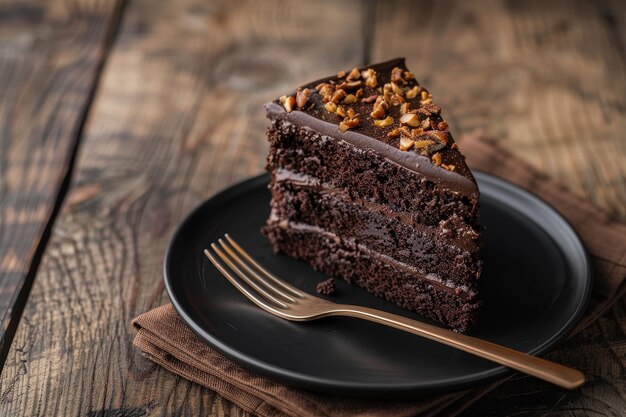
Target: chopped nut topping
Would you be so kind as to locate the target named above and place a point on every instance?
(289, 103)
(423, 143)
(341, 111)
(369, 75)
(326, 91)
(397, 99)
(406, 143)
(359, 93)
(442, 126)
(302, 97)
(405, 108)
(433, 108)
(394, 133)
(338, 96)
(426, 98)
(331, 107)
(413, 92)
(385, 122)
(425, 95)
(355, 74)
(396, 75)
(282, 99)
(437, 159)
(350, 121)
(426, 124)
(380, 107)
(408, 75)
(454, 146)
(410, 119)
(448, 167)
(350, 85)
(396, 89)
(406, 131)
(378, 112)
(386, 97)
(350, 99)
(341, 74)
(371, 81)
(387, 89)
(370, 98)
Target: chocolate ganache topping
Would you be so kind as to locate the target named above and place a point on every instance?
(384, 109)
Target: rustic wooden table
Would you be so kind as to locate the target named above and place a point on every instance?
(118, 117)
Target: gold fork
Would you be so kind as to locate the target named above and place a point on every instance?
(285, 301)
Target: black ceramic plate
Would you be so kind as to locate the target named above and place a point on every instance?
(535, 286)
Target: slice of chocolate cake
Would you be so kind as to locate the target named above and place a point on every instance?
(368, 185)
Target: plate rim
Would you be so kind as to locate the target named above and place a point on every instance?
(352, 388)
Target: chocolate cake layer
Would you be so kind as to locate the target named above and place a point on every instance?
(424, 248)
(383, 277)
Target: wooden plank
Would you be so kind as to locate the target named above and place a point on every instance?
(547, 79)
(178, 116)
(50, 53)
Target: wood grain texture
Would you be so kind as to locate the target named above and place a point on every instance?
(546, 79)
(177, 117)
(50, 52)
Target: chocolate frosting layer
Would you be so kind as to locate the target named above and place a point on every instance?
(462, 291)
(452, 230)
(369, 137)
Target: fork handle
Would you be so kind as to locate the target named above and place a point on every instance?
(543, 369)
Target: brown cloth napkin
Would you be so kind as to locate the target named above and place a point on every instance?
(166, 340)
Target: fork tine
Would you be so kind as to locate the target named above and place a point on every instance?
(252, 297)
(252, 273)
(292, 290)
(247, 279)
